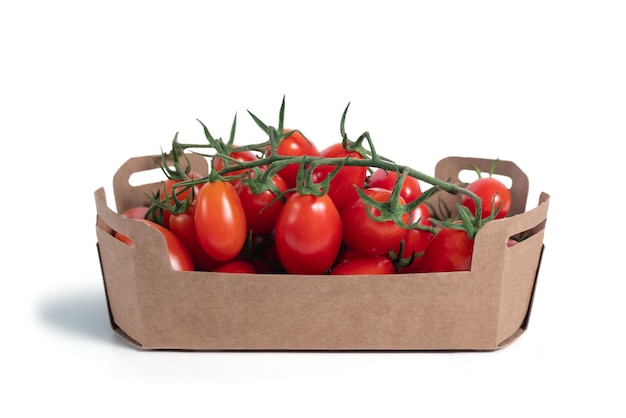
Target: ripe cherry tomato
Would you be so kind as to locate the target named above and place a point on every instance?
(169, 187)
(220, 220)
(364, 264)
(308, 234)
(243, 156)
(416, 240)
(236, 266)
(411, 188)
(342, 189)
(260, 215)
(366, 236)
(180, 259)
(448, 250)
(490, 191)
(294, 145)
(184, 227)
(137, 212)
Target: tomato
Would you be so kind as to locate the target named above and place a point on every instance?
(410, 190)
(449, 250)
(416, 240)
(136, 212)
(490, 191)
(342, 186)
(243, 156)
(184, 227)
(308, 234)
(180, 259)
(421, 215)
(170, 187)
(364, 264)
(294, 145)
(236, 266)
(260, 215)
(220, 220)
(365, 235)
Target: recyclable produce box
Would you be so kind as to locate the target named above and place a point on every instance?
(486, 308)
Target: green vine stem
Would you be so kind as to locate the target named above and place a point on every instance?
(272, 163)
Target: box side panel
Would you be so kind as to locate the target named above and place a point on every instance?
(521, 267)
(118, 272)
(267, 312)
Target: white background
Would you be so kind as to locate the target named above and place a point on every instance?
(86, 85)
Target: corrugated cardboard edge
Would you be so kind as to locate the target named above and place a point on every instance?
(119, 329)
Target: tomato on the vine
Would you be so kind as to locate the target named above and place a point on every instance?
(261, 209)
(365, 235)
(364, 264)
(171, 188)
(449, 250)
(416, 240)
(183, 225)
(220, 220)
(386, 179)
(342, 186)
(242, 156)
(180, 259)
(308, 234)
(492, 192)
(294, 145)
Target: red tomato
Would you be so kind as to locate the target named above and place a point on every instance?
(180, 259)
(137, 212)
(448, 250)
(236, 266)
(363, 234)
(415, 242)
(243, 156)
(184, 227)
(342, 189)
(421, 214)
(411, 188)
(364, 264)
(294, 145)
(220, 220)
(169, 188)
(260, 215)
(308, 234)
(490, 191)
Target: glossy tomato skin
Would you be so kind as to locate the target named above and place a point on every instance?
(179, 256)
(449, 250)
(411, 188)
(489, 190)
(364, 264)
(308, 234)
(169, 188)
(220, 220)
(366, 236)
(243, 156)
(416, 240)
(136, 212)
(236, 266)
(294, 145)
(183, 225)
(260, 215)
(342, 186)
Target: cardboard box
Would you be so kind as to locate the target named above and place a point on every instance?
(486, 308)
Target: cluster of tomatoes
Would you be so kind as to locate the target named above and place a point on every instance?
(233, 225)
